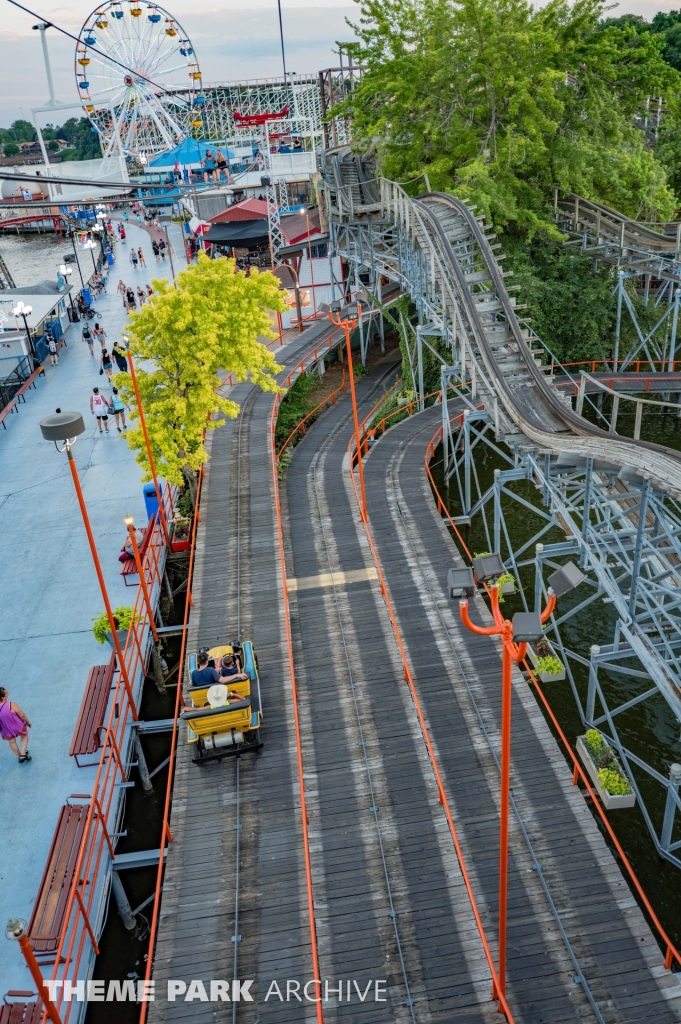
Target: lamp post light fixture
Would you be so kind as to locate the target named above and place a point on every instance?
(75, 257)
(147, 443)
(20, 310)
(16, 930)
(66, 427)
(347, 317)
(526, 627)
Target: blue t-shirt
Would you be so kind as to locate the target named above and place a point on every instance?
(205, 676)
(234, 671)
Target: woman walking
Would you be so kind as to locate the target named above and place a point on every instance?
(141, 295)
(121, 291)
(133, 258)
(100, 335)
(119, 407)
(105, 364)
(156, 251)
(14, 725)
(99, 407)
(140, 255)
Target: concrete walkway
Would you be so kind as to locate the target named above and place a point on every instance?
(50, 591)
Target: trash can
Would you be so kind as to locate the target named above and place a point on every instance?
(150, 499)
(110, 259)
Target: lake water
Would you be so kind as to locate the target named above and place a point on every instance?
(34, 258)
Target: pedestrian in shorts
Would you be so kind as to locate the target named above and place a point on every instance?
(52, 349)
(99, 407)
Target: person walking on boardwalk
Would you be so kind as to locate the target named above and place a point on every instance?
(99, 407)
(119, 407)
(119, 356)
(105, 364)
(156, 251)
(14, 725)
(141, 295)
(133, 258)
(140, 255)
(87, 336)
(100, 335)
(121, 291)
(52, 349)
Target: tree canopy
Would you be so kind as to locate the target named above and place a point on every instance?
(497, 101)
(211, 322)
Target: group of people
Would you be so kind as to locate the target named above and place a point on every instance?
(131, 296)
(228, 672)
(136, 255)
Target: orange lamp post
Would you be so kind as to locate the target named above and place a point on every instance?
(66, 427)
(143, 424)
(526, 627)
(16, 929)
(348, 322)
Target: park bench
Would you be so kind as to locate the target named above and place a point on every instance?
(47, 919)
(10, 407)
(19, 1007)
(129, 568)
(87, 737)
(30, 382)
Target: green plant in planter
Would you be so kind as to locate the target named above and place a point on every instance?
(481, 554)
(181, 528)
(122, 616)
(613, 782)
(551, 665)
(600, 751)
(505, 578)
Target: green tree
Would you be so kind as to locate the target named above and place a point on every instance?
(497, 101)
(211, 322)
(53, 146)
(10, 149)
(82, 138)
(23, 131)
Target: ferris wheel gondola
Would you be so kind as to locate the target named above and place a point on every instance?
(142, 103)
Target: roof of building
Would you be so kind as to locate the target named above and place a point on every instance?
(294, 226)
(250, 209)
(242, 234)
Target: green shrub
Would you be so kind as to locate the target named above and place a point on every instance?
(598, 748)
(613, 782)
(184, 505)
(122, 615)
(359, 370)
(551, 665)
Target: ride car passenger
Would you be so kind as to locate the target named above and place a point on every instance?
(204, 675)
(231, 669)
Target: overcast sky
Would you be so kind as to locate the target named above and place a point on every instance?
(232, 42)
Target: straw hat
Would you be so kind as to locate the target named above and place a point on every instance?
(217, 695)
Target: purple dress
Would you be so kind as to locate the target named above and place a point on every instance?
(11, 725)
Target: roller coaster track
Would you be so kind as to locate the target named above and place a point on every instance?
(446, 259)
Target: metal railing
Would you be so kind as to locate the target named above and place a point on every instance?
(77, 940)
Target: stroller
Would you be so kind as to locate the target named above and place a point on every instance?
(86, 310)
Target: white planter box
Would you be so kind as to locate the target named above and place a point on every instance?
(507, 588)
(611, 802)
(545, 677)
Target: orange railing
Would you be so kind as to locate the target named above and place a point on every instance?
(301, 426)
(671, 953)
(77, 940)
(166, 834)
(442, 795)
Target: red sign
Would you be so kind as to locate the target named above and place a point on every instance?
(258, 119)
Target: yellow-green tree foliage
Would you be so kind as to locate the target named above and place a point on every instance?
(210, 322)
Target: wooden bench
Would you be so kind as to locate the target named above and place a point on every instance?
(20, 1007)
(47, 919)
(10, 407)
(30, 382)
(129, 568)
(90, 722)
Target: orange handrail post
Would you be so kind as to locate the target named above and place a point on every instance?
(147, 443)
(130, 523)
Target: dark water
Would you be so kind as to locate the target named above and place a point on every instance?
(31, 258)
(649, 730)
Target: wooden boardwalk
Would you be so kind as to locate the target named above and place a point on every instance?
(389, 898)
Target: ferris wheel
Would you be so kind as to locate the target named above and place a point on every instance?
(142, 106)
